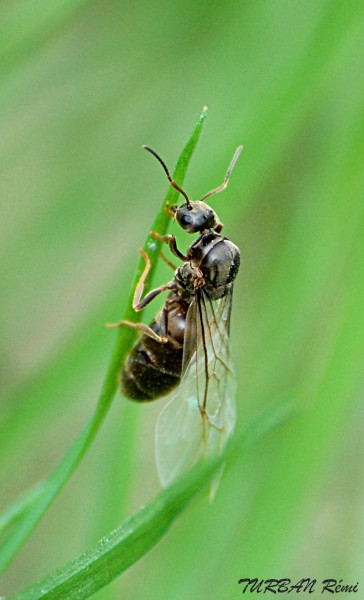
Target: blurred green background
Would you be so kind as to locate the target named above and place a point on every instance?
(83, 85)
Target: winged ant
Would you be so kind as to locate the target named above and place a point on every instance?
(187, 344)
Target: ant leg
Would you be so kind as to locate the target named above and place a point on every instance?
(171, 241)
(145, 329)
(171, 211)
(139, 304)
(153, 294)
(166, 260)
(140, 285)
(219, 227)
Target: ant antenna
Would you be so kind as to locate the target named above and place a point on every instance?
(223, 186)
(171, 181)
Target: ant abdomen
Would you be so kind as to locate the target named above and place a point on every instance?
(149, 373)
(152, 368)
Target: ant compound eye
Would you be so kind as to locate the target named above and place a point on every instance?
(186, 220)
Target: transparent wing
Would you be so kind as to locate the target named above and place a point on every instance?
(201, 414)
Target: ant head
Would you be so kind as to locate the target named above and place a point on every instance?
(197, 216)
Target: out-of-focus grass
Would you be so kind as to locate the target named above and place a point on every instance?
(83, 87)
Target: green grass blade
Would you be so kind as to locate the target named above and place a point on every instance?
(113, 554)
(27, 511)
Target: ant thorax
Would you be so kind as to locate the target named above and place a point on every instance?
(213, 263)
